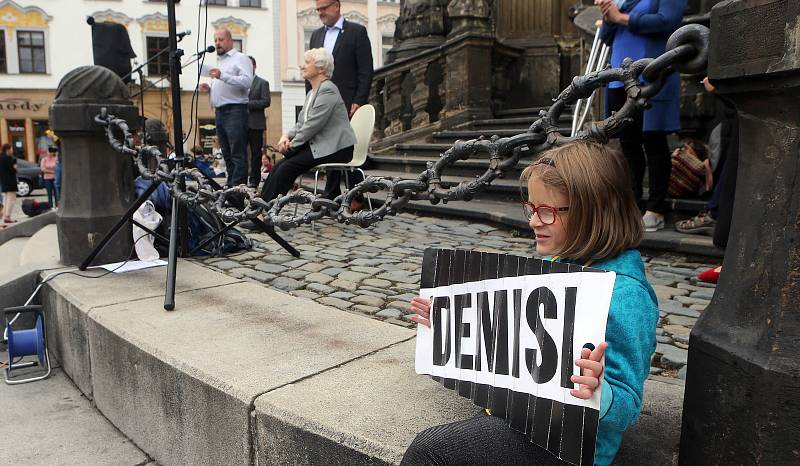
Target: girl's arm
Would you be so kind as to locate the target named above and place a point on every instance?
(630, 333)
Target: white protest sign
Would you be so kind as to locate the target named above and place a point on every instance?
(505, 332)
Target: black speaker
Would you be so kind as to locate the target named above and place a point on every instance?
(111, 47)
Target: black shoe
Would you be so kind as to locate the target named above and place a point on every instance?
(249, 225)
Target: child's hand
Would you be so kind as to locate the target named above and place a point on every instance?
(591, 370)
(422, 308)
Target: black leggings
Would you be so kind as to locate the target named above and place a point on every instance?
(481, 440)
(659, 164)
(297, 162)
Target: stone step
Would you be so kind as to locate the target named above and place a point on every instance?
(41, 249)
(411, 165)
(487, 133)
(532, 112)
(510, 214)
(509, 123)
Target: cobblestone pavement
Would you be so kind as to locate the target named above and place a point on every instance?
(376, 271)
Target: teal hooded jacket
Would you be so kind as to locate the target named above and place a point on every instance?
(631, 338)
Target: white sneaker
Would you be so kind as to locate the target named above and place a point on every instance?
(652, 221)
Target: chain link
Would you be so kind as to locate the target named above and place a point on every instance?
(686, 51)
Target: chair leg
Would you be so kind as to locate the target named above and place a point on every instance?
(316, 183)
(369, 200)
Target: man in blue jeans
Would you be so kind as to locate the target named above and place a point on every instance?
(229, 88)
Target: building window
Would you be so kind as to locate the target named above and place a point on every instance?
(237, 44)
(386, 44)
(3, 61)
(159, 66)
(31, 52)
(217, 2)
(250, 3)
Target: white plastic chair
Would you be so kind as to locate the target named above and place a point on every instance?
(363, 123)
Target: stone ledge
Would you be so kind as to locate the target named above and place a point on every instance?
(241, 374)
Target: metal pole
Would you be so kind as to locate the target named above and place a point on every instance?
(177, 137)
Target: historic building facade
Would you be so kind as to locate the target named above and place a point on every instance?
(41, 40)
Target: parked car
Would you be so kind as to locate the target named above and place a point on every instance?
(29, 177)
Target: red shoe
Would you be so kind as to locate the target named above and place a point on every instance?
(711, 275)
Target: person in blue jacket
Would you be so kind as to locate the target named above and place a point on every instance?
(581, 210)
(640, 29)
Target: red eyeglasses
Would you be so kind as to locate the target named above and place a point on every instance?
(546, 213)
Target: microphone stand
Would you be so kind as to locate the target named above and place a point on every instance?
(177, 134)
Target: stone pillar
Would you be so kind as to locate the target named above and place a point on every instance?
(743, 382)
(4, 136)
(374, 34)
(30, 141)
(422, 24)
(292, 50)
(97, 185)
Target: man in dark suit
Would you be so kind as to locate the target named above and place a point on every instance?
(352, 73)
(259, 100)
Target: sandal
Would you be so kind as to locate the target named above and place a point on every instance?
(700, 224)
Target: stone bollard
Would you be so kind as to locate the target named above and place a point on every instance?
(743, 380)
(97, 183)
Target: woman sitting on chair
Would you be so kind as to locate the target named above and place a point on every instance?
(323, 133)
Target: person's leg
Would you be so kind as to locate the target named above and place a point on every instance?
(333, 180)
(237, 138)
(630, 140)
(659, 166)
(222, 137)
(283, 174)
(10, 197)
(50, 188)
(256, 142)
(479, 440)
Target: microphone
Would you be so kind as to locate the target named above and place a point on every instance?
(183, 34)
(208, 49)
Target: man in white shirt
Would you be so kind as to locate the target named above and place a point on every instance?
(229, 88)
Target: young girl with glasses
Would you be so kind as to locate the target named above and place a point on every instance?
(581, 209)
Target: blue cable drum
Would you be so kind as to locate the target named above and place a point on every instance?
(26, 342)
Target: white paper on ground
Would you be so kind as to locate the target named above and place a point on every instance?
(130, 266)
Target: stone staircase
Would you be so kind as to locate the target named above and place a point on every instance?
(499, 203)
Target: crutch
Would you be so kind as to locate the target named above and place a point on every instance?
(597, 60)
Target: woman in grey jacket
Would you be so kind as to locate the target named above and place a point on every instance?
(323, 133)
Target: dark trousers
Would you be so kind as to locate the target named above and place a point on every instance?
(231, 121)
(52, 192)
(297, 162)
(255, 139)
(637, 143)
(333, 181)
(479, 440)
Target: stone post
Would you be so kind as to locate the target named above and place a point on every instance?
(468, 16)
(97, 184)
(743, 382)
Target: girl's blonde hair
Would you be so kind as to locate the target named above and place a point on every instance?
(604, 219)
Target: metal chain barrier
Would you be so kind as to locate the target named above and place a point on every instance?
(686, 52)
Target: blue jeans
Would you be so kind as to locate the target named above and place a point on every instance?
(52, 192)
(231, 121)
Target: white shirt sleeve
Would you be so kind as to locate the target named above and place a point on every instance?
(243, 73)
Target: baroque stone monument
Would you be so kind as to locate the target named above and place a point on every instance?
(459, 60)
(97, 182)
(743, 382)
